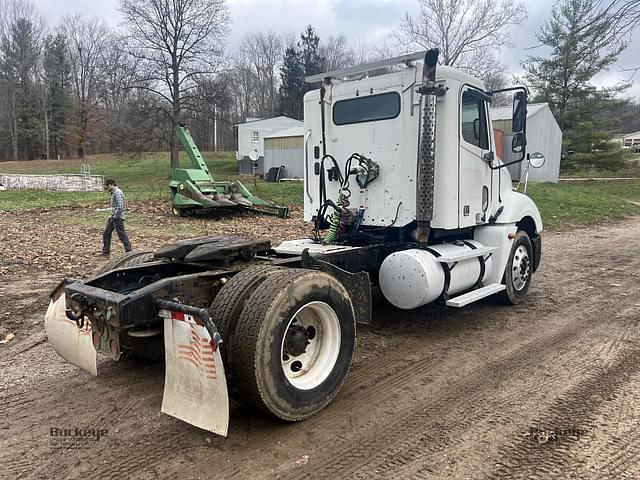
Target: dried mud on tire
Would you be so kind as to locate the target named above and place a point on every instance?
(546, 389)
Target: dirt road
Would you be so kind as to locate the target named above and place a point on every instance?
(546, 389)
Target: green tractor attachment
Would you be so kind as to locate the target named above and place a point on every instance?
(195, 189)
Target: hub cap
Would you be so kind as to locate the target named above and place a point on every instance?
(311, 345)
(521, 268)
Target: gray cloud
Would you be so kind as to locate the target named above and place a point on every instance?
(367, 22)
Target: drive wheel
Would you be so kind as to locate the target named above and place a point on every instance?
(229, 302)
(517, 275)
(294, 342)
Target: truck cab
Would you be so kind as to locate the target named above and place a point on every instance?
(381, 117)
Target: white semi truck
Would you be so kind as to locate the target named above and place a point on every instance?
(404, 191)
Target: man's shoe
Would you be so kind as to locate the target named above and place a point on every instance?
(105, 254)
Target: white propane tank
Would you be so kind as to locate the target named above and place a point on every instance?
(412, 278)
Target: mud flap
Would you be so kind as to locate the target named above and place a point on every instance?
(195, 386)
(70, 342)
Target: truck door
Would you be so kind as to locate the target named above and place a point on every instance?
(474, 179)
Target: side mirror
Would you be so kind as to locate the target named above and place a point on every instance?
(519, 121)
(536, 159)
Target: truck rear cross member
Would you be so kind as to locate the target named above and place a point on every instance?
(421, 208)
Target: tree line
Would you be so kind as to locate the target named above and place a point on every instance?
(82, 87)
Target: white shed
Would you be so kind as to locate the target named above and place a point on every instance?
(251, 136)
(543, 135)
(285, 149)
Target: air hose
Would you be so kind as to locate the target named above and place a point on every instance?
(339, 217)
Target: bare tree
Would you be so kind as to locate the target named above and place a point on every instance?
(465, 31)
(119, 73)
(337, 53)
(261, 53)
(177, 42)
(86, 40)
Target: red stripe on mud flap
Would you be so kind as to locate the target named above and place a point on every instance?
(189, 358)
(190, 350)
(177, 316)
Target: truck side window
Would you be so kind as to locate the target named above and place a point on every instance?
(474, 120)
(368, 108)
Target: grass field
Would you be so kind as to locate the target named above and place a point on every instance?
(146, 178)
(568, 204)
(562, 205)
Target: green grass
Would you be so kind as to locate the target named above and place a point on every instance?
(562, 205)
(567, 204)
(142, 179)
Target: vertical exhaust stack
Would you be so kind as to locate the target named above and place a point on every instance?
(427, 149)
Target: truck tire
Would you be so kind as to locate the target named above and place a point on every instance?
(229, 302)
(129, 259)
(294, 342)
(517, 275)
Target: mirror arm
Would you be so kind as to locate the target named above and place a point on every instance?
(492, 167)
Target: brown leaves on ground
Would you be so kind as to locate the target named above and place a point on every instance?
(63, 240)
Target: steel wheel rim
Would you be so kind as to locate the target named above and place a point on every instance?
(307, 370)
(520, 268)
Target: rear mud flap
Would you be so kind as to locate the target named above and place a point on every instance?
(195, 386)
(70, 342)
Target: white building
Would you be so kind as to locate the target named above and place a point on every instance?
(629, 140)
(285, 149)
(251, 134)
(543, 135)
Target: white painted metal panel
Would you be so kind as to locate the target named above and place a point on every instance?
(264, 128)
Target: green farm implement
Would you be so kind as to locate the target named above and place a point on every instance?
(194, 188)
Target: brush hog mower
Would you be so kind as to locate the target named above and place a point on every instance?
(410, 197)
(195, 189)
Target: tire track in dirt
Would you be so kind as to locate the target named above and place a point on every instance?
(523, 460)
(461, 384)
(405, 428)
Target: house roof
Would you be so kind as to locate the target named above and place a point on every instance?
(278, 123)
(629, 135)
(297, 131)
(506, 113)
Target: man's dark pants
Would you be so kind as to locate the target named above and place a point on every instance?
(116, 224)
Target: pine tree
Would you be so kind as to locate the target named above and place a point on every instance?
(292, 87)
(300, 61)
(19, 55)
(310, 52)
(57, 78)
(584, 40)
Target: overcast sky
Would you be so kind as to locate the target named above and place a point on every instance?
(366, 21)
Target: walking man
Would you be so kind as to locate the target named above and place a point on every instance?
(116, 220)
